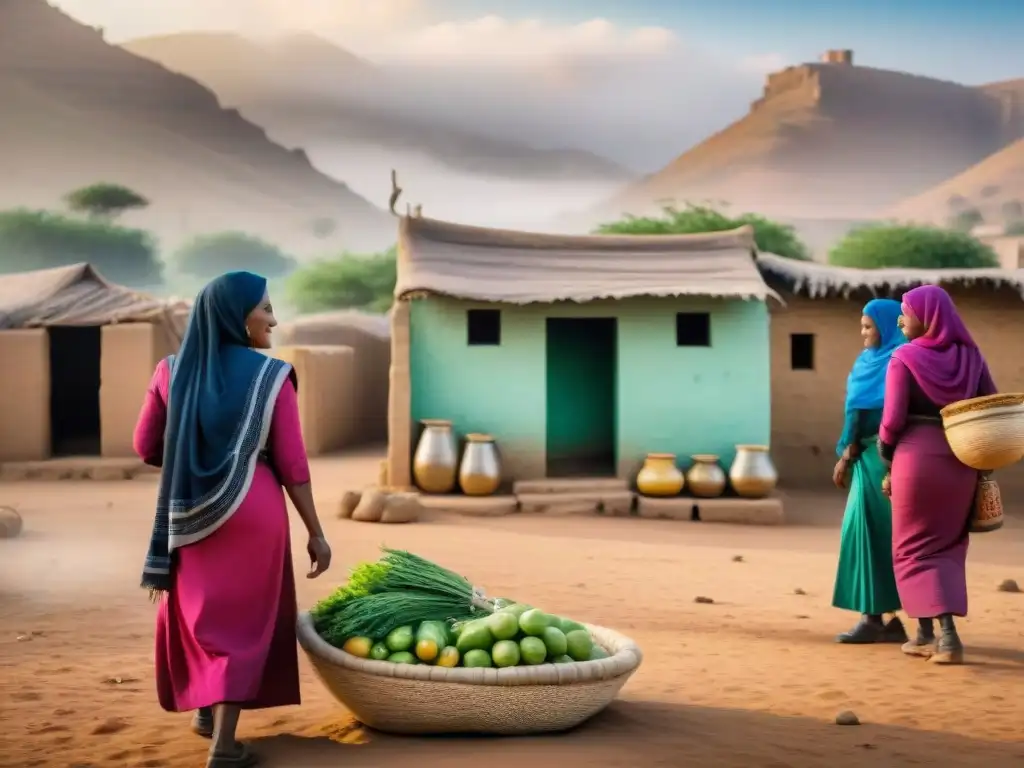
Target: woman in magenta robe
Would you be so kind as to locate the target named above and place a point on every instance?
(221, 421)
(932, 492)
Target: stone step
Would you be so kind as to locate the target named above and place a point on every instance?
(615, 502)
(471, 506)
(556, 485)
(767, 511)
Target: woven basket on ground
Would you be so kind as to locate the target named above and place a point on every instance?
(420, 699)
(986, 433)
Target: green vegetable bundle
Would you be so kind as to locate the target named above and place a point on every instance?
(514, 635)
(399, 589)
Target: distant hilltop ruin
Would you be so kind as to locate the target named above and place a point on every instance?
(833, 140)
(839, 89)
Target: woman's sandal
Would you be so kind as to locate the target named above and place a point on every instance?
(202, 724)
(243, 758)
(947, 654)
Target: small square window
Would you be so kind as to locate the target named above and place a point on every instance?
(483, 327)
(693, 329)
(801, 351)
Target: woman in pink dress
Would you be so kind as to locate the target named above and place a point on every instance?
(932, 492)
(221, 421)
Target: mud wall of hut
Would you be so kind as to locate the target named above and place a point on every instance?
(327, 404)
(668, 398)
(25, 395)
(368, 402)
(129, 353)
(807, 405)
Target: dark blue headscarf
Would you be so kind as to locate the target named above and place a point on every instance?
(865, 386)
(220, 403)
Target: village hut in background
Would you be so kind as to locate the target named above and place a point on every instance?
(816, 336)
(78, 353)
(348, 406)
(579, 354)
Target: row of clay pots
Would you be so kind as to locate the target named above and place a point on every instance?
(436, 467)
(752, 474)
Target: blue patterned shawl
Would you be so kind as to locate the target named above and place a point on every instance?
(220, 403)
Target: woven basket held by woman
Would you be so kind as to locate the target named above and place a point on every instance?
(932, 491)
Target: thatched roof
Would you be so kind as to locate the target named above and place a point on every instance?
(820, 280)
(72, 295)
(522, 267)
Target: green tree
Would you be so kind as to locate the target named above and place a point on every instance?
(771, 236)
(104, 200)
(42, 240)
(350, 281)
(912, 247)
(207, 256)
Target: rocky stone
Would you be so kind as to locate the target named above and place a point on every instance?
(10, 523)
(847, 717)
(1008, 585)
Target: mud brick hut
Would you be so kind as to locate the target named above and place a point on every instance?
(78, 353)
(580, 354)
(369, 338)
(815, 338)
(348, 404)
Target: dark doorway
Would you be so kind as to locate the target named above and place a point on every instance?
(581, 373)
(75, 391)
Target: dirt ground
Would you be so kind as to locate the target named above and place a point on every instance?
(753, 679)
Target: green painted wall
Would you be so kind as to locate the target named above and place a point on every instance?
(682, 400)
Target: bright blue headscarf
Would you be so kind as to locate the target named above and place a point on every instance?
(865, 386)
(220, 404)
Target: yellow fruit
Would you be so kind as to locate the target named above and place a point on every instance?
(449, 657)
(426, 650)
(358, 646)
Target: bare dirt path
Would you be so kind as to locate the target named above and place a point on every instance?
(753, 679)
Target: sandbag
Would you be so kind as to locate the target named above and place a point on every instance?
(401, 508)
(348, 504)
(370, 507)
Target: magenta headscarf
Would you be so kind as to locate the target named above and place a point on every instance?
(945, 361)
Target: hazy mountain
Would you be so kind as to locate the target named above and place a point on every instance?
(309, 92)
(994, 187)
(77, 110)
(834, 140)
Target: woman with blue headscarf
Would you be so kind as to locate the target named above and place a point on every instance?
(864, 579)
(221, 421)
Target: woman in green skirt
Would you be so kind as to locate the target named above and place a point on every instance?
(864, 580)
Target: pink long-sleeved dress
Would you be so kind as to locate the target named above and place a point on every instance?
(932, 496)
(225, 631)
